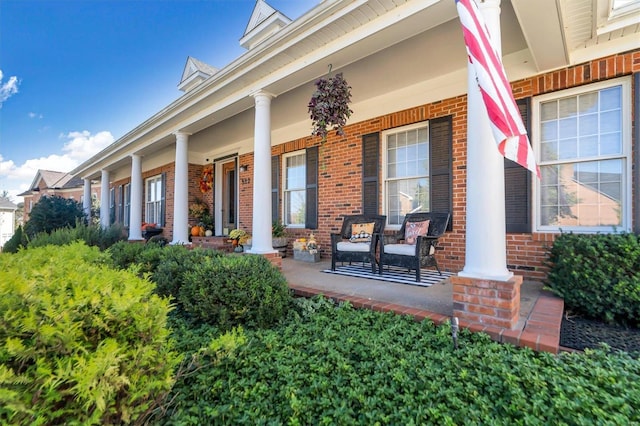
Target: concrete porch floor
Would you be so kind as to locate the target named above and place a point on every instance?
(537, 328)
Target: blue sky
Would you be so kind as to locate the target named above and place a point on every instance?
(76, 75)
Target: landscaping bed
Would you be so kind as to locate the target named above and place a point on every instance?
(579, 333)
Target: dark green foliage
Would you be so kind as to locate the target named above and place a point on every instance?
(236, 290)
(80, 343)
(338, 365)
(92, 235)
(17, 241)
(53, 212)
(176, 262)
(124, 253)
(598, 275)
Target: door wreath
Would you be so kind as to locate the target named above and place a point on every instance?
(206, 180)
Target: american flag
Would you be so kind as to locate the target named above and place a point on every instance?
(506, 122)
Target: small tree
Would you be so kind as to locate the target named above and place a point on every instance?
(51, 213)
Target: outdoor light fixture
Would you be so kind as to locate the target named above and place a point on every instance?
(244, 168)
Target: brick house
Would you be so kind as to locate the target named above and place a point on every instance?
(574, 67)
(50, 183)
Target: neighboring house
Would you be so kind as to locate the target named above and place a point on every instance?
(574, 66)
(7, 220)
(50, 183)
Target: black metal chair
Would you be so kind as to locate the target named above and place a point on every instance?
(343, 249)
(418, 255)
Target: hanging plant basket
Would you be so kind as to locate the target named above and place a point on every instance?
(329, 106)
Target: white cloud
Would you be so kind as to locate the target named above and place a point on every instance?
(8, 89)
(80, 146)
(35, 115)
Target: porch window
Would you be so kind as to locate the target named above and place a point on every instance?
(295, 188)
(406, 172)
(153, 200)
(584, 144)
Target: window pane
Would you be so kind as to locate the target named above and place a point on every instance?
(611, 98)
(568, 107)
(611, 143)
(549, 111)
(549, 131)
(295, 202)
(568, 149)
(589, 103)
(610, 121)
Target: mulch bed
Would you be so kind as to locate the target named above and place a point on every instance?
(581, 333)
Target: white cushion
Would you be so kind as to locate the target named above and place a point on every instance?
(347, 246)
(404, 249)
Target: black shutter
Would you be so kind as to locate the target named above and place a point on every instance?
(517, 184)
(163, 204)
(441, 178)
(636, 136)
(311, 219)
(120, 206)
(275, 185)
(370, 165)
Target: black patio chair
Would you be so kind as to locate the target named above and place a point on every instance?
(347, 247)
(396, 251)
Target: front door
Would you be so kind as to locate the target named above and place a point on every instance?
(229, 196)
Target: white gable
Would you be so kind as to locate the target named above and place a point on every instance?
(195, 72)
(264, 22)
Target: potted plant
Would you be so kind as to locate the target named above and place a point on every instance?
(200, 211)
(279, 238)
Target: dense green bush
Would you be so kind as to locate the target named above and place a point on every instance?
(236, 290)
(123, 254)
(92, 235)
(175, 263)
(339, 365)
(53, 212)
(598, 275)
(17, 241)
(80, 343)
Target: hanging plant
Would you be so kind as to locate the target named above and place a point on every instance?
(329, 105)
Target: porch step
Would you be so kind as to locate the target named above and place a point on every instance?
(216, 243)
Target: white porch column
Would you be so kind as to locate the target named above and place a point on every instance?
(486, 253)
(135, 209)
(261, 241)
(86, 202)
(104, 199)
(181, 191)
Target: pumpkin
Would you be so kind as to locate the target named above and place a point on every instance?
(195, 231)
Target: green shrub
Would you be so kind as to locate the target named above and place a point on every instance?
(598, 275)
(92, 235)
(174, 265)
(236, 290)
(17, 241)
(123, 254)
(53, 212)
(340, 365)
(80, 343)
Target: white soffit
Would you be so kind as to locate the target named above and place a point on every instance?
(542, 26)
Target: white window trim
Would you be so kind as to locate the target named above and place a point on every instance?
(384, 135)
(146, 196)
(625, 83)
(284, 187)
